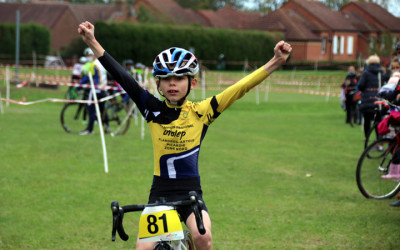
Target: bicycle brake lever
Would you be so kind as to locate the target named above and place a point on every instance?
(118, 215)
(197, 206)
(114, 210)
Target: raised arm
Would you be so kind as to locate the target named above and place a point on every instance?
(129, 84)
(86, 30)
(282, 51)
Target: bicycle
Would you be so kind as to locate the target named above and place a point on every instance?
(116, 116)
(380, 113)
(373, 163)
(160, 222)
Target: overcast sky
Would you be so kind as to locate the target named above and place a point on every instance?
(394, 7)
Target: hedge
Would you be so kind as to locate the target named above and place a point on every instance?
(33, 37)
(142, 42)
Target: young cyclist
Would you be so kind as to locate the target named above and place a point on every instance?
(177, 125)
(99, 75)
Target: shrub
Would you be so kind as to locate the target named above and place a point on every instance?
(142, 42)
(33, 37)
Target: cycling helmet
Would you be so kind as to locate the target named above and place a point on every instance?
(88, 52)
(176, 62)
(128, 62)
(83, 60)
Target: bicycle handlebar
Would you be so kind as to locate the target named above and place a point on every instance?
(118, 213)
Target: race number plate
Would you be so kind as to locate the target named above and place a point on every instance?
(160, 223)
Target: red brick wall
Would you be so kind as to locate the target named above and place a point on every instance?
(307, 51)
(298, 53)
(314, 51)
(64, 31)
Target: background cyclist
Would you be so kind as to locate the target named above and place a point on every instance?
(99, 75)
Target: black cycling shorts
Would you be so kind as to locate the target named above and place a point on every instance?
(176, 190)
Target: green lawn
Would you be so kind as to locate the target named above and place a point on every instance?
(278, 175)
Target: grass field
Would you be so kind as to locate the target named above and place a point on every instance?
(278, 175)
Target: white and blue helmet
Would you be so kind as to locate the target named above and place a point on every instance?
(175, 62)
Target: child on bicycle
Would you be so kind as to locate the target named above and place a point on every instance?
(177, 125)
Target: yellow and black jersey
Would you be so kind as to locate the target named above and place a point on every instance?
(177, 132)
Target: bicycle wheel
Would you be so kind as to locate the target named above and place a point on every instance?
(74, 117)
(188, 240)
(163, 246)
(116, 114)
(373, 163)
(186, 243)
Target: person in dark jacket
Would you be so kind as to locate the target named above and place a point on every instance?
(369, 84)
(349, 87)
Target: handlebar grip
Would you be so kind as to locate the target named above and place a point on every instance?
(118, 215)
(114, 210)
(197, 207)
(120, 227)
(199, 219)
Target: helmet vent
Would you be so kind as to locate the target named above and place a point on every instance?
(175, 61)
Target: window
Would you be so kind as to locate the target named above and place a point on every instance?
(335, 45)
(341, 46)
(350, 45)
(323, 43)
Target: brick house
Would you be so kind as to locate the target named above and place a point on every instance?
(61, 18)
(318, 33)
(372, 22)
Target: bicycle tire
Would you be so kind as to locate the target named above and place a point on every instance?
(163, 246)
(74, 117)
(373, 163)
(188, 240)
(116, 114)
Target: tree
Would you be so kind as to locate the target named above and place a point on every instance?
(265, 6)
(337, 4)
(209, 4)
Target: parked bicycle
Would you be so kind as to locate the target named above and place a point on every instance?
(375, 162)
(74, 116)
(380, 112)
(160, 223)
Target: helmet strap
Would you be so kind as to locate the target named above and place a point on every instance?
(181, 101)
(158, 88)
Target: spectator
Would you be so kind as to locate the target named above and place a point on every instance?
(129, 68)
(349, 88)
(369, 84)
(357, 96)
(395, 56)
(221, 62)
(77, 69)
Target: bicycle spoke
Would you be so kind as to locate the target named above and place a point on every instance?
(74, 117)
(373, 164)
(118, 118)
